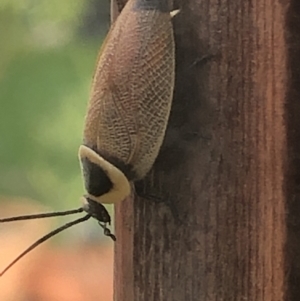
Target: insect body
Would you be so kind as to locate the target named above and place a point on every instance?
(130, 101)
(128, 111)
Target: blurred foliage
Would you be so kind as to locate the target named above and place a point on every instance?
(46, 65)
(37, 13)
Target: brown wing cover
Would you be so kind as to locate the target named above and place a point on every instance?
(132, 89)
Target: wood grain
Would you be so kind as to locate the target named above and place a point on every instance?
(223, 165)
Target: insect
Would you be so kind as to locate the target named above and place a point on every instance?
(128, 111)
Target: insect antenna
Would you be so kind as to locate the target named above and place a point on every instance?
(40, 215)
(46, 237)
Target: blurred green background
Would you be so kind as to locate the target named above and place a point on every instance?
(48, 53)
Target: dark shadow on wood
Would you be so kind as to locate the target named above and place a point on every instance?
(293, 184)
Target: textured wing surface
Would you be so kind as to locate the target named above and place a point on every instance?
(132, 89)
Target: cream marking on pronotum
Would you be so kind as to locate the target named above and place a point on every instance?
(128, 110)
(120, 184)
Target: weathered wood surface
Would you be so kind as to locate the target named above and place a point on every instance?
(223, 165)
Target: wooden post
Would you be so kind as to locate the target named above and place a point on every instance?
(222, 165)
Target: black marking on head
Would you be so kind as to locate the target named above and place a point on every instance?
(161, 5)
(96, 180)
(97, 211)
(127, 169)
